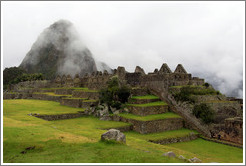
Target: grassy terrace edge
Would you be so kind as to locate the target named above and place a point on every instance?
(157, 103)
(145, 97)
(150, 117)
(162, 135)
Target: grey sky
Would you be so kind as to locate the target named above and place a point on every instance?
(206, 37)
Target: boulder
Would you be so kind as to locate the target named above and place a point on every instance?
(182, 157)
(115, 135)
(169, 154)
(195, 160)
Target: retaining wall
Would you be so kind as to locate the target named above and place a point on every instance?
(144, 127)
(143, 111)
(60, 116)
(175, 140)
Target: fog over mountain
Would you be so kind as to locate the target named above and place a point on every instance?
(59, 50)
(206, 37)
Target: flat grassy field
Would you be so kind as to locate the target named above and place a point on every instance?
(27, 139)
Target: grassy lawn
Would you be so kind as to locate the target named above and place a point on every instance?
(145, 97)
(157, 103)
(211, 151)
(18, 109)
(78, 140)
(150, 117)
(161, 135)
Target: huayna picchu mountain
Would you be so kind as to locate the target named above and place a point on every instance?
(59, 50)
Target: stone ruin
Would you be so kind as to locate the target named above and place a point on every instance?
(158, 82)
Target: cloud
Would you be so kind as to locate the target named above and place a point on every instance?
(206, 37)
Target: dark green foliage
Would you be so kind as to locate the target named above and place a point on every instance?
(186, 93)
(14, 75)
(11, 73)
(114, 95)
(204, 112)
(206, 85)
(28, 77)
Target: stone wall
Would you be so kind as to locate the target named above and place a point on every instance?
(151, 110)
(64, 91)
(177, 139)
(60, 116)
(232, 130)
(144, 127)
(142, 101)
(77, 103)
(89, 103)
(85, 94)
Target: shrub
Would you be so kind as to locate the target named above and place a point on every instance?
(114, 95)
(206, 85)
(204, 112)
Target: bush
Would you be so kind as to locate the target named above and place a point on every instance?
(114, 95)
(204, 112)
(206, 85)
(185, 95)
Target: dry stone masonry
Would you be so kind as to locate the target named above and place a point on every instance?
(68, 91)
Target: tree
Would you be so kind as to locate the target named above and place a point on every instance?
(204, 112)
(114, 95)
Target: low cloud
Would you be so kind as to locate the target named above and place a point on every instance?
(206, 37)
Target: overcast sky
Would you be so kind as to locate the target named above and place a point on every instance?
(206, 37)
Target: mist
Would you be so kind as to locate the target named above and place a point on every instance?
(206, 37)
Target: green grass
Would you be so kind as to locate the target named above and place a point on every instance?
(75, 88)
(161, 135)
(87, 90)
(150, 117)
(220, 101)
(90, 100)
(74, 98)
(211, 151)
(145, 97)
(18, 109)
(78, 140)
(157, 103)
(50, 94)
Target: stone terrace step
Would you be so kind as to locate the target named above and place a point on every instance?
(139, 91)
(90, 94)
(143, 99)
(72, 102)
(167, 137)
(48, 96)
(61, 116)
(148, 108)
(78, 102)
(152, 123)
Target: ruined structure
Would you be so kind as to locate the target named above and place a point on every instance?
(159, 83)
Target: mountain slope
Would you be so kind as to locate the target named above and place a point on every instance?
(59, 50)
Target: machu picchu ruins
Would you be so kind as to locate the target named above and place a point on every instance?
(123, 82)
(151, 94)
